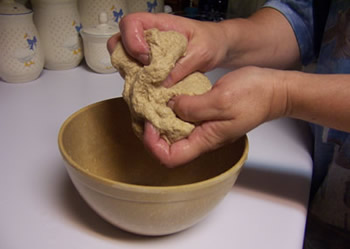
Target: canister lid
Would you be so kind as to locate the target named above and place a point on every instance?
(103, 28)
(11, 7)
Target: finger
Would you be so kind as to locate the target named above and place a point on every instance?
(132, 31)
(183, 67)
(112, 42)
(208, 106)
(193, 61)
(153, 142)
(182, 151)
(132, 28)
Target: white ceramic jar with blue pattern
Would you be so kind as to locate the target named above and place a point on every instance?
(90, 10)
(58, 23)
(21, 54)
(95, 45)
(151, 6)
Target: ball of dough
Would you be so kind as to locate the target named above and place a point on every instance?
(146, 98)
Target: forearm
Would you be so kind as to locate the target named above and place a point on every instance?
(319, 98)
(265, 39)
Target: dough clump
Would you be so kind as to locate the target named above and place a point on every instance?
(146, 98)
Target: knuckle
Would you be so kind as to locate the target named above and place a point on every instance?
(123, 22)
(224, 102)
(126, 19)
(213, 138)
(205, 56)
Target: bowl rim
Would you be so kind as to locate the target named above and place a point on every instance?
(137, 187)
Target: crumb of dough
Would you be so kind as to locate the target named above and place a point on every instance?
(146, 98)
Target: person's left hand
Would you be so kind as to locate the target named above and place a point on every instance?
(238, 102)
(203, 52)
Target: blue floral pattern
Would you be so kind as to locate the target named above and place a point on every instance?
(151, 6)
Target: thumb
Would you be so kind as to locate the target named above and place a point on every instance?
(183, 67)
(206, 107)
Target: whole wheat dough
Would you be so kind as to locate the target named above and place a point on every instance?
(146, 98)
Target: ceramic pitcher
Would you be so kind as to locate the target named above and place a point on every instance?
(21, 55)
(58, 23)
(89, 11)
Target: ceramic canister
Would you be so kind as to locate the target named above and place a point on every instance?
(21, 54)
(89, 11)
(58, 23)
(95, 45)
(152, 6)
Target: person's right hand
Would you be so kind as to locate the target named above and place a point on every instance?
(239, 101)
(206, 42)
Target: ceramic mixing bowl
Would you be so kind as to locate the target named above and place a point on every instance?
(129, 188)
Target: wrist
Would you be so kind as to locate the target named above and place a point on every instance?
(265, 39)
(230, 42)
(281, 104)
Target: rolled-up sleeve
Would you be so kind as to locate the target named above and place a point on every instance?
(299, 14)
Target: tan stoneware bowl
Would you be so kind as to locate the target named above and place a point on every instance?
(129, 188)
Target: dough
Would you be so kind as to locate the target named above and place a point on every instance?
(146, 98)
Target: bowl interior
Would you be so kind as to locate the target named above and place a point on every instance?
(99, 140)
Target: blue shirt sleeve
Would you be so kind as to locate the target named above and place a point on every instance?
(299, 14)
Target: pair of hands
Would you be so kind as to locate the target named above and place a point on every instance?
(237, 103)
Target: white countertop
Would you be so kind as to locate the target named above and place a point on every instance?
(40, 208)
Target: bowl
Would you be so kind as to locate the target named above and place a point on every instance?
(127, 187)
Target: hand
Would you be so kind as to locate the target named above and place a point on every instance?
(204, 52)
(238, 102)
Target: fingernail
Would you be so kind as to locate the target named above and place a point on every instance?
(171, 103)
(167, 82)
(143, 58)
